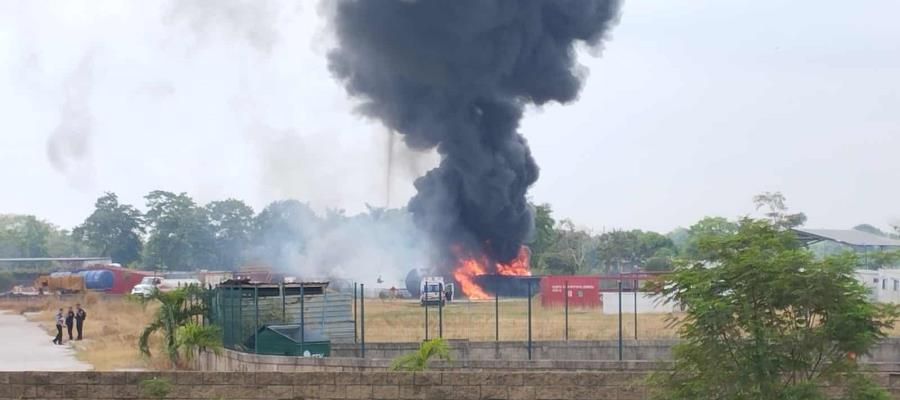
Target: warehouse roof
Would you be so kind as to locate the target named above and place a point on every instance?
(850, 237)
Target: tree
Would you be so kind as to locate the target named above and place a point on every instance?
(283, 229)
(180, 233)
(544, 234)
(869, 229)
(24, 236)
(62, 243)
(620, 250)
(570, 250)
(113, 230)
(232, 224)
(774, 202)
(174, 319)
(707, 229)
(765, 319)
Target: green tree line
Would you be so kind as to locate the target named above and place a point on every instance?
(177, 232)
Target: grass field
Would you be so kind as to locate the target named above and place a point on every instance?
(403, 321)
(114, 323)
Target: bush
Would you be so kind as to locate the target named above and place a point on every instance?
(418, 360)
(156, 388)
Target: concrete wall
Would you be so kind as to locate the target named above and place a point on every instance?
(233, 361)
(647, 303)
(326, 385)
(622, 385)
(541, 350)
(888, 350)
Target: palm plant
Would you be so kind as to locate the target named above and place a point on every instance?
(175, 316)
(194, 337)
(418, 360)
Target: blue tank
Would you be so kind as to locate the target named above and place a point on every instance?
(98, 279)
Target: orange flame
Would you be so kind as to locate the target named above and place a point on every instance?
(469, 267)
(518, 266)
(465, 273)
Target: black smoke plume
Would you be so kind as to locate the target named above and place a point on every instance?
(456, 75)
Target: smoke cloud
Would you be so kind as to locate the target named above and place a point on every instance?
(456, 76)
(69, 145)
(378, 244)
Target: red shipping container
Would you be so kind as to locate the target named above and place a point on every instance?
(583, 290)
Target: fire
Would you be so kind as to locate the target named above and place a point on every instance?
(465, 273)
(468, 267)
(518, 266)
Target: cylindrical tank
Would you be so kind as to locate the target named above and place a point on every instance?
(413, 279)
(98, 279)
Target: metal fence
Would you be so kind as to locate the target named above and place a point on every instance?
(242, 310)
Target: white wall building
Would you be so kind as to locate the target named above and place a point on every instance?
(884, 284)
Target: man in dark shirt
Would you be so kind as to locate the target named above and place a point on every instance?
(70, 320)
(80, 316)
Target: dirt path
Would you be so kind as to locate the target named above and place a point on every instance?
(24, 346)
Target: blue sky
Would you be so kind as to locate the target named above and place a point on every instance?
(691, 108)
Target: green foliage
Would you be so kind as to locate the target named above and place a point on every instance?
(180, 233)
(113, 230)
(765, 319)
(23, 236)
(6, 281)
(869, 229)
(418, 360)
(231, 222)
(282, 229)
(544, 235)
(707, 229)
(155, 388)
(193, 337)
(624, 250)
(177, 309)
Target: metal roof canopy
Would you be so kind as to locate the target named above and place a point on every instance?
(62, 259)
(850, 237)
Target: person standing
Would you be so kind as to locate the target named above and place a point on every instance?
(70, 320)
(80, 316)
(60, 320)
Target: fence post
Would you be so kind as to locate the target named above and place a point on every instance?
(425, 304)
(441, 311)
(256, 324)
(566, 296)
(497, 325)
(355, 329)
(241, 314)
(324, 306)
(283, 311)
(529, 320)
(620, 320)
(302, 320)
(362, 320)
(635, 287)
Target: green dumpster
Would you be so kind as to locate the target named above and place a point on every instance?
(285, 340)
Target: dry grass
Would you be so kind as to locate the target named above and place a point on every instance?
(110, 332)
(402, 321)
(114, 324)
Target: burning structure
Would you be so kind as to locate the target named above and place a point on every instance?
(456, 76)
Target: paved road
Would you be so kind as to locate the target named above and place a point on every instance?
(24, 346)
